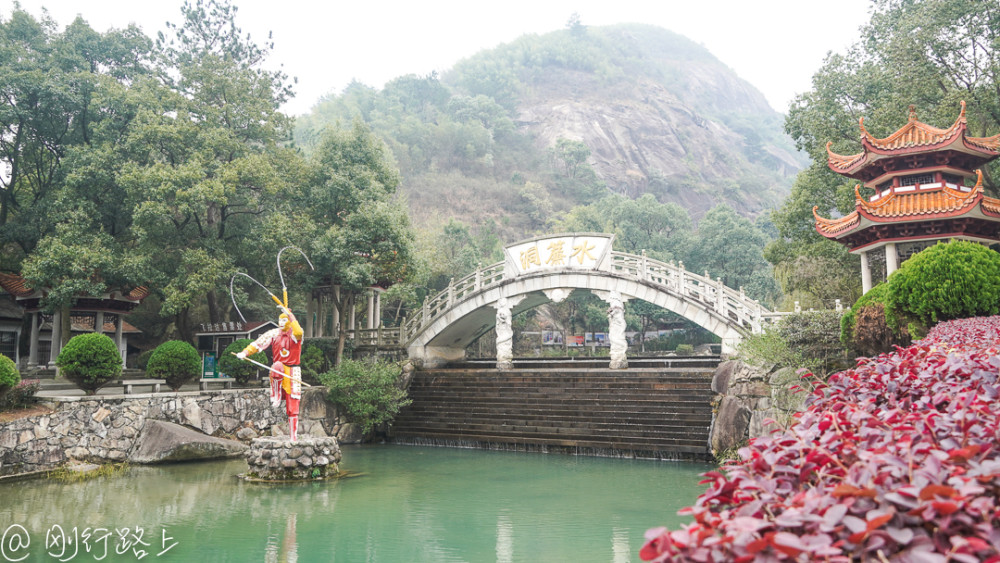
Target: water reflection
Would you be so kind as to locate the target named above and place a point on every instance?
(288, 553)
(412, 504)
(505, 539)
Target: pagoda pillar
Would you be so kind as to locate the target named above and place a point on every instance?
(311, 316)
(56, 337)
(120, 336)
(371, 310)
(33, 343)
(866, 273)
(891, 259)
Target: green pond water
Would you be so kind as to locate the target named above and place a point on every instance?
(412, 504)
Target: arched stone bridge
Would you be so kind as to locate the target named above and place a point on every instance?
(547, 269)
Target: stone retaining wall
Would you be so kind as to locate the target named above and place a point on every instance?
(104, 429)
(279, 459)
(752, 402)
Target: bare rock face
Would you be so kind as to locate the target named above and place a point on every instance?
(731, 425)
(647, 139)
(163, 442)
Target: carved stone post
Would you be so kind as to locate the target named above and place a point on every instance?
(505, 336)
(616, 332)
(616, 328)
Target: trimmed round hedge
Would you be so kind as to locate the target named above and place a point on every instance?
(241, 370)
(9, 376)
(90, 361)
(946, 281)
(175, 361)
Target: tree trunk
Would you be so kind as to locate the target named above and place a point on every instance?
(182, 322)
(214, 315)
(344, 305)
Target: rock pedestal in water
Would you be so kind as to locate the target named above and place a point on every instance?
(277, 458)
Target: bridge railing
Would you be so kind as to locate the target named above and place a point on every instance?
(378, 337)
(434, 306)
(713, 294)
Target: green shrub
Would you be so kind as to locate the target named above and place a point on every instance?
(806, 340)
(815, 336)
(318, 357)
(90, 361)
(22, 395)
(368, 391)
(947, 281)
(241, 370)
(176, 362)
(685, 349)
(9, 376)
(878, 295)
(143, 360)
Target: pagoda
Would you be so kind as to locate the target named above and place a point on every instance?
(89, 313)
(928, 185)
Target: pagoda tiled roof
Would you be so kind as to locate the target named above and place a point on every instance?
(18, 287)
(915, 136)
(138, 293)
(896, 207)
(15, 285)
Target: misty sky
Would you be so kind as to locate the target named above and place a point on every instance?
(776, 45)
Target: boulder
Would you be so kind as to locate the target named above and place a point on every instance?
(730, 427)
(162, 442)
(350, 433)
(723, 375)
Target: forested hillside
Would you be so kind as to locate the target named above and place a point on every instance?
(512, 137)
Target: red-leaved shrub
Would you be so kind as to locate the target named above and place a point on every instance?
(897, 459)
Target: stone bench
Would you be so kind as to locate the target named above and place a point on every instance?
(154, 383)
(227, 382)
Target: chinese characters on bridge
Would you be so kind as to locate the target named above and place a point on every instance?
(574, 252)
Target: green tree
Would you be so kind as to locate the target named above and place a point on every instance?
(572, 154)
(730, 247)
(210, 169)
(57, 95)
(236, 368)
(361, 235)
(929, 54)
(9, 376)
(662, 230)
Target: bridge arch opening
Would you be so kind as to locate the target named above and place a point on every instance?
(547, 269)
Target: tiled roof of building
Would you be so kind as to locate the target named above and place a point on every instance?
(15, 285)
(833, 227)
(915, 135)
(138, 293)
(895, 206)
(18, 287)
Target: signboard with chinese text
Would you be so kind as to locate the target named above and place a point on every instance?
(560, 252)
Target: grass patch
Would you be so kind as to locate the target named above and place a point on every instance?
(76, 472)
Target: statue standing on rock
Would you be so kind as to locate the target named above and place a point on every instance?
(286, 375)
